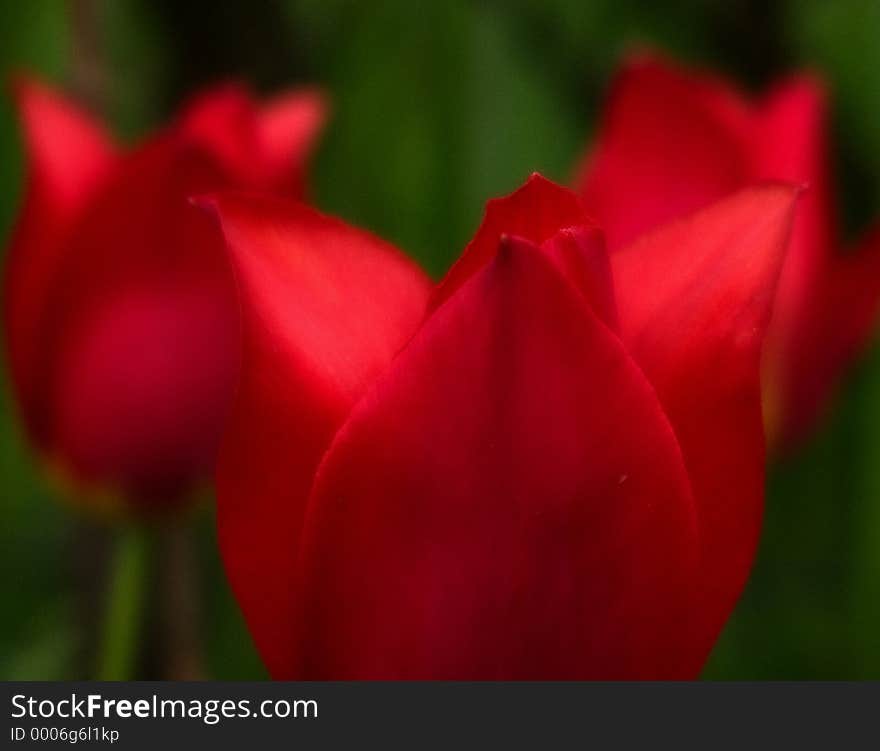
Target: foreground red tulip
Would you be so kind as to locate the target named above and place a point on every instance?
(673, 141)
(550, 466)
(119, 313)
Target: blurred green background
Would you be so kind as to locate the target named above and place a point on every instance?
(436, 107)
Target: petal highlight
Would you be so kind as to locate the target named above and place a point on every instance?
(694, 300)
(325, 307)
(670, 142)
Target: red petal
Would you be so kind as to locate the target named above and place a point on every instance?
(835, 328)
(670, 142)
(799, 371)
(535, 212)
(288, 127)
(325, 308)
(579, 253)
(792, 145)
(509, 502)
(68, 157)
(136, 360)
(68, 151)
(222, 120)
(266, 146)
(694, 301)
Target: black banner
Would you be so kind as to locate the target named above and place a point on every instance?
(460, 715)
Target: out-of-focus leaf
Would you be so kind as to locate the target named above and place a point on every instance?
(393, 156)
(518, 118)
(841, 39)
(436, 110)
(864, 545)
(792, 619)
(136, 50)
(32, 38)
(45, 652)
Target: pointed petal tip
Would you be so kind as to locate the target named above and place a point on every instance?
(509, 246)
(55, 128)
(784, 186)
(218, 204)
(557, 471)
(538, 180)
(535, 211)
(788, 194)
(311, 100)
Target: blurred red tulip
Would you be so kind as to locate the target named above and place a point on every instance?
(672, 141)
(119, 312)
(555, 472)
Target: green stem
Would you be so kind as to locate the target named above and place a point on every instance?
(125, 598)
(179, 604)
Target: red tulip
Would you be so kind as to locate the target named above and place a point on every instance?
(554, 472)
(672, 141)
(119, 314)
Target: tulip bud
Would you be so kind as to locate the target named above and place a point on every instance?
(672, 141)
(550, 466)
(120, 314)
